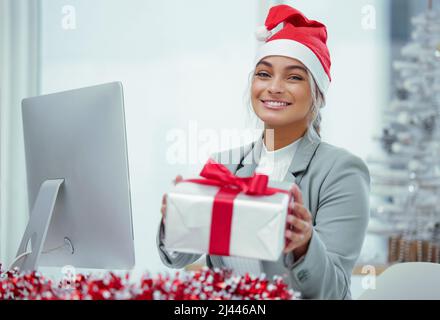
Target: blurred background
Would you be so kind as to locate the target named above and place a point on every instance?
(185, 65)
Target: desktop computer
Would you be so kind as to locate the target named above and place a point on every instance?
(78, 181)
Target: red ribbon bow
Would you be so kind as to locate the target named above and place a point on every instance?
(216, 174)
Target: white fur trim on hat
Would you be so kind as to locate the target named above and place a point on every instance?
(262, 34)
(296, 50)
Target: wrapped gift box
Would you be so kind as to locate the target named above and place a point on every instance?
(253, 226)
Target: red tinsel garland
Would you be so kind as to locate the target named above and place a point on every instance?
(200, 285)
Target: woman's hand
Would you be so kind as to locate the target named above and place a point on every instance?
(299, 226)
(163, 209)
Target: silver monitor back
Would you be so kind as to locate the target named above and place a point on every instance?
(79, 136)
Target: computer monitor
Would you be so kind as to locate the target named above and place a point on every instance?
(78, 180)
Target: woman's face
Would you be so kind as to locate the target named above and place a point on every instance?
(280, 92)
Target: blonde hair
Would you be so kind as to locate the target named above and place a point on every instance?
(318, 102)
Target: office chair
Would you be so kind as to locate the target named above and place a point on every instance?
(406, 281)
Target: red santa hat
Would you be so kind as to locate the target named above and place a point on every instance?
(299, 38)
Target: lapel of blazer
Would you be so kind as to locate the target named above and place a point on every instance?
(299, 164)
(251, 158)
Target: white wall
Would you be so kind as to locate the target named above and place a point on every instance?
(179, 61)
(183, 61)
(360, 69)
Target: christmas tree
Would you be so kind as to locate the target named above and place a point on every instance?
(406, 172)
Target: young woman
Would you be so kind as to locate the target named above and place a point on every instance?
(327, 223)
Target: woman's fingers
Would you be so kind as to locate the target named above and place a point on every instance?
(294, 240)
(299, 211)
(302, 213)
(297, 195)
(163, 208)
(298, 224)
(292, 245)
(294, 236)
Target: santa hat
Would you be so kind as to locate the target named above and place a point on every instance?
(299, 38)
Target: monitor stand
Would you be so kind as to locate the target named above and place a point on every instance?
(37, 226)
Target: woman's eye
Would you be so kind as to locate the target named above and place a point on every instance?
(262, 74)
(298, 78)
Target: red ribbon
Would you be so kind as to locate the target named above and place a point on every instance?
(216, 174)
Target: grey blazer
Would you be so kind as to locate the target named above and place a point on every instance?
(335, 186)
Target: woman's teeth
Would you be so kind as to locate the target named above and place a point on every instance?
(276, 104)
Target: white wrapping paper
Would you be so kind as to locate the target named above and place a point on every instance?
(258, 222)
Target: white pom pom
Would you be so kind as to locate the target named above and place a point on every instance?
(262, 33)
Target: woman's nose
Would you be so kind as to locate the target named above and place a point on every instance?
(276, 86)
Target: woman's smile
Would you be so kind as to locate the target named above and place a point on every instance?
(275, 104)
(280, 93)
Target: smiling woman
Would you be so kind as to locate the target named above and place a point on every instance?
(285, 95)
(327, 222)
